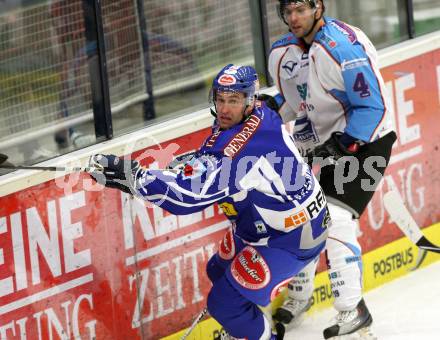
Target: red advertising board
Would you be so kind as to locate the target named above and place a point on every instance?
(414, 86)
(81, 263)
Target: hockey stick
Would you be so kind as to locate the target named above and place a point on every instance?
(10, 166)
(3, 159)
(399, 213)
(195, 323)
(48, 168)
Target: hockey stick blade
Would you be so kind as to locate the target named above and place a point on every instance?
(3, 158)
(399, 213)
(425, 244)
(421, 255)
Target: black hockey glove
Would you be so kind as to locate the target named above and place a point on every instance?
(270, 101)
(334, 148)
(114, 172)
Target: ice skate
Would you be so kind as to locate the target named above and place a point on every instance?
(354, 324)
(291, 313)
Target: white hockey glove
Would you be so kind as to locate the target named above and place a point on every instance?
(114, 172)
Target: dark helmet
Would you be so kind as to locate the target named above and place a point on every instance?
(286, 2)
(283, 3)
(232, 78)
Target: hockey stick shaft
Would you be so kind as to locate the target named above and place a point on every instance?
(399, 213)
(4, 165)
(195, 323)
(45, 168)
(51, 168)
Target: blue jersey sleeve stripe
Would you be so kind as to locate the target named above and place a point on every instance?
(381, 97)
(366, 113)
(381, 94)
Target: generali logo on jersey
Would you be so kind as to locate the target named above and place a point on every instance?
(241, 138)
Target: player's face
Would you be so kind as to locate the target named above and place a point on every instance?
(230, 108)
(300, 17)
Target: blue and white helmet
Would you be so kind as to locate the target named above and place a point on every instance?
(240, 79)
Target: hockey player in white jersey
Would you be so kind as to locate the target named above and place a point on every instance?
(278, 213)
(329, 84)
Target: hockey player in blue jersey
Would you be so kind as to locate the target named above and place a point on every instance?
(330, 86)
(250, 166)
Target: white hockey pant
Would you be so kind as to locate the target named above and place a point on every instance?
(344, 262)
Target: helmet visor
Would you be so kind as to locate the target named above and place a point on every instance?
(296, 9)
(228, 97)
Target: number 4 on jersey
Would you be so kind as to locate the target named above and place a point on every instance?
(361, 86)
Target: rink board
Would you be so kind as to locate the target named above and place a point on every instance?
(94, 263)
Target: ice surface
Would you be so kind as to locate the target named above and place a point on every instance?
(406, 308)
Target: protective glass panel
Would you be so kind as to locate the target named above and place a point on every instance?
(426, 16)
(45, 102)
(125, 61)
(185, 45)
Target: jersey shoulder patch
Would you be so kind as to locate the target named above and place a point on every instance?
(340, 31)
(340, 41)
(286, 40)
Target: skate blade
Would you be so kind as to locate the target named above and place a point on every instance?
(362, 334)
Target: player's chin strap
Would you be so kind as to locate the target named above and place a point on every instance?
(315, 22)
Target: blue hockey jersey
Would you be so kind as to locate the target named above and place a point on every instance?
(255, 173)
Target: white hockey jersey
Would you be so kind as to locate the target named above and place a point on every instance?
(332, 85)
